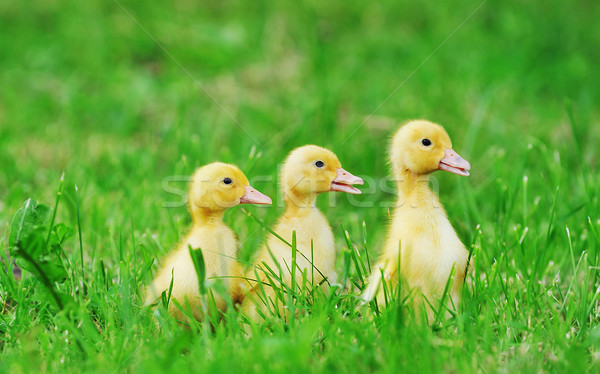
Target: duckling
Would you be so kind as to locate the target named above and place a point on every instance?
(214, 188)
(420, 233)
(307, 172)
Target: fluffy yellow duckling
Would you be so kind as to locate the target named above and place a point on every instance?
(307, 172)
(214, 188)
(420, 230)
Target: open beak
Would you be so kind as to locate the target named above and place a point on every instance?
(453, 163)
(252, 196)
(343, 181)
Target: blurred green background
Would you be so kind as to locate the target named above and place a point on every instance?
(114, 94)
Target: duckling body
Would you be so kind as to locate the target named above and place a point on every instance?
(214, 188)
(307, 172)
(421, 247)
(314, 243)
(219, 249)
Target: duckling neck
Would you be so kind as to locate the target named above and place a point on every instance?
(205, 216)
(296, 202)
(414, 191)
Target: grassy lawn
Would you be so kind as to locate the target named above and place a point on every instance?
(128, 97)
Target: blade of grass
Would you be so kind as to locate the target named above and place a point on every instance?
(79, 233)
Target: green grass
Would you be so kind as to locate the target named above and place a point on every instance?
(86, 91)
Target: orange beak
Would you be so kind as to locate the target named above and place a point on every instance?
(252, 196)
(343, 181)
(453, 163)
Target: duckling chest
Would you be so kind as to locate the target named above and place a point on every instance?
(426, 237)
(312, 232)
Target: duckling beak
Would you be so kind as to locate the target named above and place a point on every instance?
(343, 181)
(252, 196)
(453, 163)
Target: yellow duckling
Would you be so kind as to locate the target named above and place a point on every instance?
(307, 172)
(420, 230)
(214, 188)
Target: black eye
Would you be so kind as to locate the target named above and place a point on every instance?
(426, 142)
(227, 181)
(319, 164)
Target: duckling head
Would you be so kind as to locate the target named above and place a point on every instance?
(310, 170)
(423, 147)
(218, 186)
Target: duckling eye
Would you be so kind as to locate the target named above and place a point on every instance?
(426, 142)
(227, 181)
(319, 164)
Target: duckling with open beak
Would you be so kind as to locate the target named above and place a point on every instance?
(307, 172)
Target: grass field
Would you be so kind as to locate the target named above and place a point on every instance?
(128, 97)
